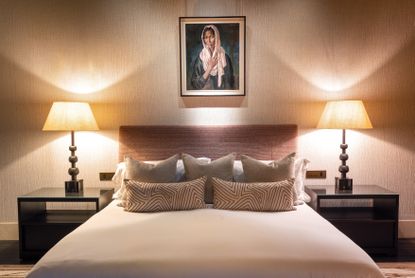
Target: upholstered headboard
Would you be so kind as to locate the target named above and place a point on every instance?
(159, 142)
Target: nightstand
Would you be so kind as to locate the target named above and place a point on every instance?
(368, 215)
(41, 225)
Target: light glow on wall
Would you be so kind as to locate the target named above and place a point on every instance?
(325, 142)
(59, 47)
(96, 152)
(322, 148)
(336, 61)
(83, 82)
(214, 116)
(329, 83)
(87, 142)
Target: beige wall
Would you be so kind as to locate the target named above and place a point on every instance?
(299, 54)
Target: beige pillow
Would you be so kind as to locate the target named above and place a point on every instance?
(258, 171)
(261, 196)
(152, 197)
(163, 171)
(220, 168)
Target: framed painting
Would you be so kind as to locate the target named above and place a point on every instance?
(212, 56)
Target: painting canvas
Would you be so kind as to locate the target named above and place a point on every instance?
(212, 56)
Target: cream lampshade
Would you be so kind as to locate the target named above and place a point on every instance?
(346, 114)
(71, 116)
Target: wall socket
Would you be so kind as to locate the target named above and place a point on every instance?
(106, 176)
(315, 174)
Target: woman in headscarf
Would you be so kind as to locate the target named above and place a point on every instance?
(212, 69)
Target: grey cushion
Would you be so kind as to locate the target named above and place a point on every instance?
(262, 196)
(258, 171)
(163, 171)
(152, 197)
(220, 168)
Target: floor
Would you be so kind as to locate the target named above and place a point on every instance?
(9, 253)
(406, 252)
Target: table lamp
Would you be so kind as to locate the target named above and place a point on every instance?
(346, 114)
(71, 116)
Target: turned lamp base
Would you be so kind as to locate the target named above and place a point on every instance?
(344, 184)
(74, 187)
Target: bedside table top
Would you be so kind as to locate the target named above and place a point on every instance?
(358, 190)
(58, 193)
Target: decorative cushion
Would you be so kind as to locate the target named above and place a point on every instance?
(261, 196)
(220, 168)
(152, 197)
(300, 168)
(257, 171)
(163, 171)
(180, 173)
(119, 176)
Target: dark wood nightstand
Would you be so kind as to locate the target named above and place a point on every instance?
(369, 215)
(41, 226)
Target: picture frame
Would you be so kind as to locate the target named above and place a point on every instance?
(212, 56)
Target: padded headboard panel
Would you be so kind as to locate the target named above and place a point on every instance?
(159, 142)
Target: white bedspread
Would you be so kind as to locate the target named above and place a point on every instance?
(206, 243)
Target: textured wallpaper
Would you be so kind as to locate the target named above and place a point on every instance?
(125, 56)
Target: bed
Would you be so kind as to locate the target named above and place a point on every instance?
(206, 242)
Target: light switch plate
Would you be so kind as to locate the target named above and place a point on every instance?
(106, 176)
(316, 174)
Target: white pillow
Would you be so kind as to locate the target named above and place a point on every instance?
(118, 180)
(238, 171)
(300, 169)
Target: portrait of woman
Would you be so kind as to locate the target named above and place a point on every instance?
(212, 68)
(212, 56)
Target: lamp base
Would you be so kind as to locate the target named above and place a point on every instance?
(74, 187)
(344, 185)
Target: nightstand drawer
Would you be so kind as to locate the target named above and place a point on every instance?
(367, 234)
(40, 237)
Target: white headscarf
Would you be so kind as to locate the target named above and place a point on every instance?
(219, 51)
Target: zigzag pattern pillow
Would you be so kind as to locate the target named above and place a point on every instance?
(152, 197)
(258, 196)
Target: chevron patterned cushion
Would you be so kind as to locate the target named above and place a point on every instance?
(152, 197)
(258, 196)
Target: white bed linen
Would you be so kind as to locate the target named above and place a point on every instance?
(206, 243)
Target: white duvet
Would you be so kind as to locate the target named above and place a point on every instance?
(206, 243)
